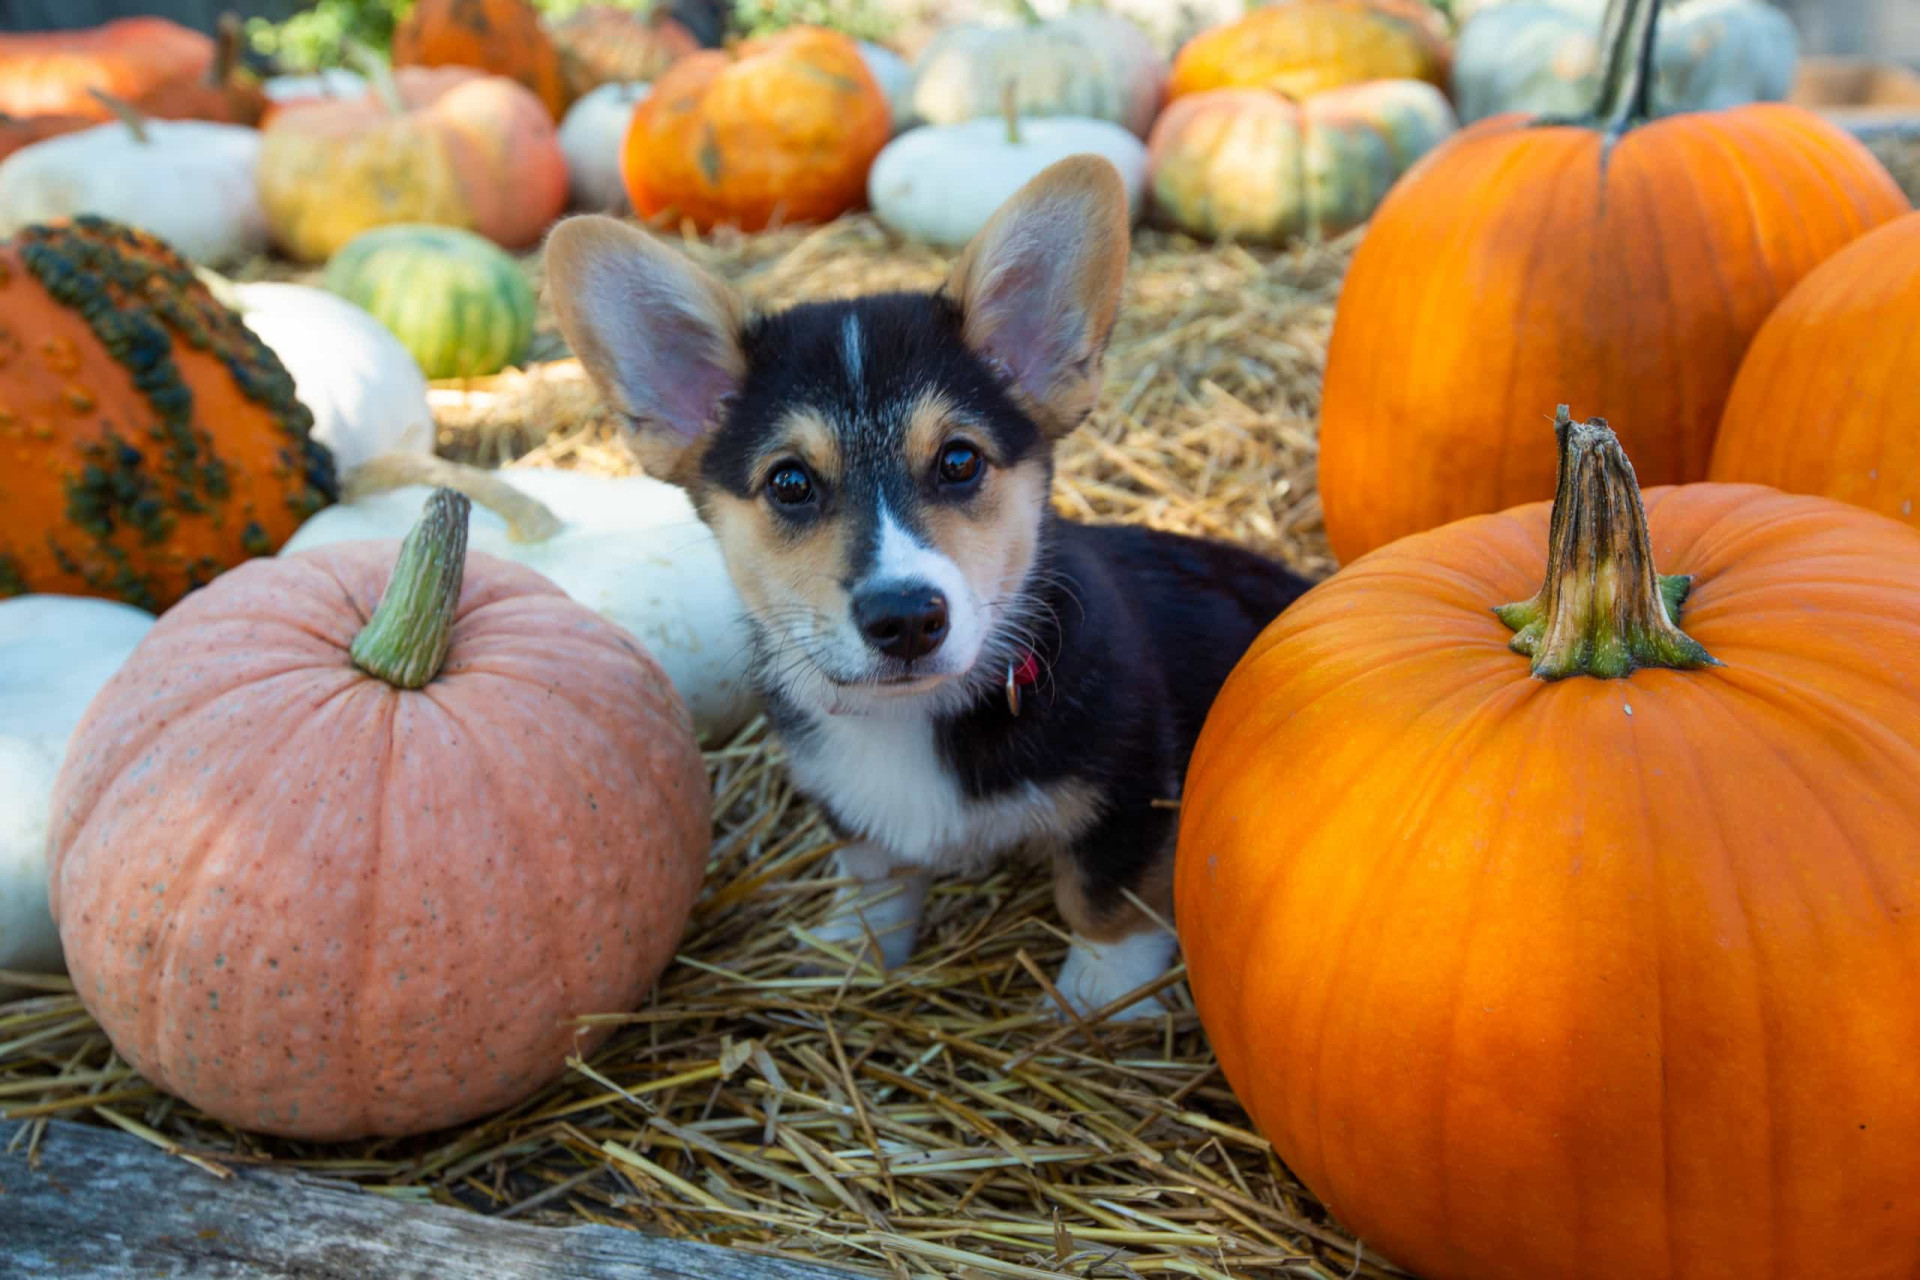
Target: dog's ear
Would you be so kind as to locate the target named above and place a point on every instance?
(658, 336)
(1040, 284)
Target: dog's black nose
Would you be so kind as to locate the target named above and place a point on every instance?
(902, 622)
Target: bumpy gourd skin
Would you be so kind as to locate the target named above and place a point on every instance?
(148, 440)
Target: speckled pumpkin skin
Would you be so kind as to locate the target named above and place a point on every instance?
(789, 124)
(314, 905)
(1260, 168)
(148, 440)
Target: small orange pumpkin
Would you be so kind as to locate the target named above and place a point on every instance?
(500, 36)
(604, 45)
(1826, 399)
(151, 440)
(443, 145)
(55, 72)
(1303, 47)
(1620, 260)
(328, 876)
(1597, 958)
(786, 125)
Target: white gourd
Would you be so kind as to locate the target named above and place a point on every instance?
(895, 77)
(593, 138)
(190, 182)
(55, 653)
(629, 547)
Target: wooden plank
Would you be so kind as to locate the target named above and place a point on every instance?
(102, 1205)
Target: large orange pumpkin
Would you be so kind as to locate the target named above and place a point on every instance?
(443, 145)
(1622, 262)
(501, 36)
(1601, 960)
(348, 842)
(148, 440)
(54, 72)
(1303, 47)
(785, 125)
(1827, 400)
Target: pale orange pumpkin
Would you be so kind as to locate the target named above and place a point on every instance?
(1595, 958)
(1302, 47)
(1621, 261)
(443, 145)
(784, 126)
(325, 876)
(1826, 400)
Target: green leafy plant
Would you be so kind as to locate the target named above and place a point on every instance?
(320, 35)
(860, 19)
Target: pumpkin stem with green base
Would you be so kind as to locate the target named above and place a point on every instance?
(1624, 97)
(1010, 109)
(1603, 611)
(406, 639)
(379, 74)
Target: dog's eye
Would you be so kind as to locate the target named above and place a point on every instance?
(959, 464)
(790, 485)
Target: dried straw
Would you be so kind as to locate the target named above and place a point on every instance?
(931, 1121)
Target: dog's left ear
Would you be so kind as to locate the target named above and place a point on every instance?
(1040, 284)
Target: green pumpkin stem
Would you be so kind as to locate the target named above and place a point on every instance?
(1627, 35)
(1010, 109)
(1603, 611)
(405, 641)
(123, 111)
(379, 74)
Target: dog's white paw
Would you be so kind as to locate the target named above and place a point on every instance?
(888, 909)
(1098, 973)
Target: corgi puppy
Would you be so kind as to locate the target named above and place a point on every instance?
(955, 671)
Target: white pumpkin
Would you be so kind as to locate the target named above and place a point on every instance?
(190, 182)
(593, 137)
(1087, 63)
(895, 78)
(941, 183)
(1543, 57)
(55, 653)
(630, 547)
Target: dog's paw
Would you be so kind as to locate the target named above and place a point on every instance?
(1098, 973)
(848, 932)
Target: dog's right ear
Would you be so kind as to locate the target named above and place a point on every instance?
(658, 336)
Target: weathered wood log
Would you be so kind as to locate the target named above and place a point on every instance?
(101, 1205)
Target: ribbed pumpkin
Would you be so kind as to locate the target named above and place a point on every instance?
(1085, 63)
(1616, 261)
(460, 305)
(354, 836)
(1598, 961)
(603, 45)
(1827, 400)
(786, 125)
(503, 37)
(150, 440)
(1262, 168)
(53, 72)
(444, 145)
(1302, 47)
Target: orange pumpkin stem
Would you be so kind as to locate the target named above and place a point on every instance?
(405, 641)
(1603, 611)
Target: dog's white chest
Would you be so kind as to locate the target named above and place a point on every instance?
(884, 778)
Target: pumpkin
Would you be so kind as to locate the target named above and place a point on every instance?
(1569, 933)
(55, 653)
(153, 440)
(228, 93)
(591, 138)
(1252, 165)
(1085, 63)
(23, 131)
(355, 835)
(460, 305)
(1523, 262)
(1302, 47)
(894, 75)
(782, 126)
(1542, 57)
(631, 548)
(503, 37)
(363, 387)
(59, 72)
(190, 182)
(443, 145)
(603, 45)
(939, 184)
(1824, 399)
